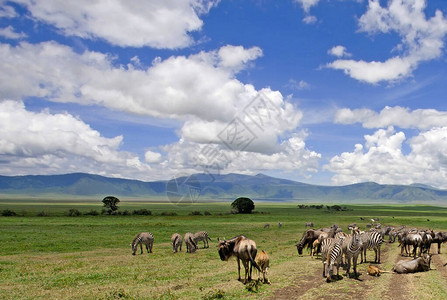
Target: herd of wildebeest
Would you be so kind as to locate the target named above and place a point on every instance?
(335, 248)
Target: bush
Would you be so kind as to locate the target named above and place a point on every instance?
(8, 213)
(126, 213)
(92, 213)
(142, 212)
(42, 214)
(171, 214)
(195, 213)
(207, 213)
(74, 212)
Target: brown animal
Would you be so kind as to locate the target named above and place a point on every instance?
(191, 246)
(262, 259)
(244, 249)
(374, 271)
(315, 246)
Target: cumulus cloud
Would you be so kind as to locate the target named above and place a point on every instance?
(422, 40)
(9, 33)
(59, 143)
(155, 23)
(402, 117)
(339, 51)
(201, 91)
(381, 159)
(307, 4)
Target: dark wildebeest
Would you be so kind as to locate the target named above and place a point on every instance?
(244, 249)
(420, 264)
(309, 236)
(440, 238)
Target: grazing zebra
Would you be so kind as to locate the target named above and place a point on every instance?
(352, 246)
(325, 245)
(202, 236)
(191, 246)
(267, 225)
(145, 238)
(334, 258)
(177, 242)
(371, 240)
(279, 224)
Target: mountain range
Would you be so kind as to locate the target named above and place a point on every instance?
(213, 187)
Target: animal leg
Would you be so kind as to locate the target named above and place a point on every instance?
(150, 247)
(141, 248)
(239, 268)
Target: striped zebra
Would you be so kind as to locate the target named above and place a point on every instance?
(371, 240)
(145, 238)
(352, 247)
(202, 236)
(334, 258)
(325, 245)
(191, 246)
(177, 242)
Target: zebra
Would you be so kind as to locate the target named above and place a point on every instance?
(371, 240)
(352, 246)
(279, 224)
(177, 242)
(145, 238)
(310, 224)
(334, 257)
(191, 246)
(325, 245)
(202, 236)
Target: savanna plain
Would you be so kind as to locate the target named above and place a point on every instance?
(46, 254)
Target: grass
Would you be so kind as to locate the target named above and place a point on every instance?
(88, 257)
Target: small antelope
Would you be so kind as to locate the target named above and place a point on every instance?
(262, 259)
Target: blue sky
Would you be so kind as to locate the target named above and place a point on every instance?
(321, 91)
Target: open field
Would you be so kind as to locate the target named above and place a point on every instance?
(89, 257)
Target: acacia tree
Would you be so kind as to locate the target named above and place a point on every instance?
(243, 205)
(111, 203)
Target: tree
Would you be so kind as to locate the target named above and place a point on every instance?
(243, 205)
(111, 203)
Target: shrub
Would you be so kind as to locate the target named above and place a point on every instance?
(165, 213)
(142, 212)
(92, 213)
(42, 214)
(195, 213)
(8, 213)
(126, 213)
(207, 213)
(74, 212)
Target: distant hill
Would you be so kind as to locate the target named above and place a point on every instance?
(208, 187)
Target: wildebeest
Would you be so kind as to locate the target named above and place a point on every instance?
(309, 236)
(440, 238)
(267, 225)
(145, 238)
(191, 246)
(263, 261)
(244, 249)
(177, 242)
(420, 264)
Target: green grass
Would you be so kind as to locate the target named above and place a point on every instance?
(89, 257)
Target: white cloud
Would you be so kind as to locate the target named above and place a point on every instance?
(200, 90)
(59, 143)
(298, 85)
(422, 40)
(7, 11)
(307, 4)
(402, 117)
(339, 51)
(9, 33)
(381, 159)
(154, 23)
(310, 19)
(152, 157)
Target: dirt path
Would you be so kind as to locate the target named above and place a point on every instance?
(398, 283)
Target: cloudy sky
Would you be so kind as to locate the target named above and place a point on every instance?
(321, 91)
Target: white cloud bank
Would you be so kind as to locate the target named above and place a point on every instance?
(200, 90)
(134, 23)
(422, 40)
(382, 158)
(45, 143)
